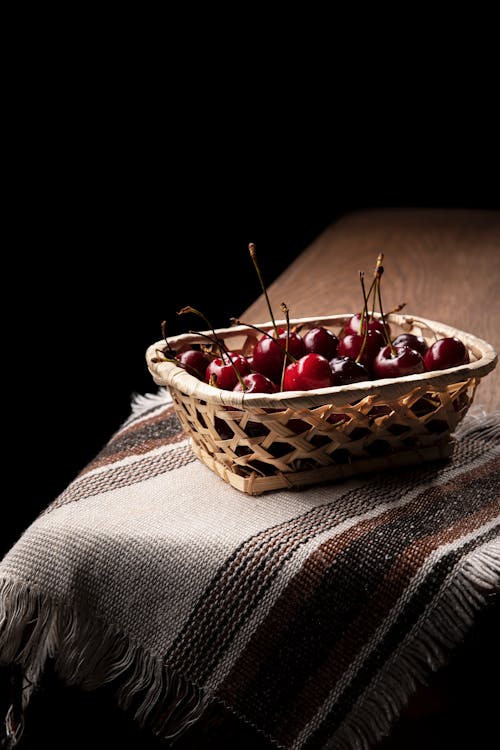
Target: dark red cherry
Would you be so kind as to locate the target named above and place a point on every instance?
(222, 371)
(321, 341)
(337, 418)
(268, 358)
(268, 353)
(298, 425)
(256, 383)
(310, 372)
(375, 324)
(346, 370)
(295, 344)
(405, 361)
(223, 429)
(351, 344)
(414, 342)
(194, 362)
(446, 352)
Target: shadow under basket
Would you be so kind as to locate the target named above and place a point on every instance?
(261, 442)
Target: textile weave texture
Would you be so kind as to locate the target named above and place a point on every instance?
(311, 615)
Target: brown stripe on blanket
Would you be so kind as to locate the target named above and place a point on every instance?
(142, 437)
(166, 415)
(134, 450)
(251, 570)
(299, 589)
(296, 630)
(374, 611)
(266, 551)
(116, 477)
(411, 611)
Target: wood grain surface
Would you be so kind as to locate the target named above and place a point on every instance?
(445, 264)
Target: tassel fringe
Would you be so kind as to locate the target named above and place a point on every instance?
(88, 654)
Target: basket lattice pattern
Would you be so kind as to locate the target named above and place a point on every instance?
(294, 439)
(258, 443)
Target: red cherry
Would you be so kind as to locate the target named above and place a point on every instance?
(351, 344)
(446, 352)
(414, 342)
(268, 353)
(405, 361)
(337, 418)
(268, 357)
(346, 370)
(194, 362)
(256, 383)
(310, 372)
(223, 372)
(298, 425)
(321, 341)
(375, 324)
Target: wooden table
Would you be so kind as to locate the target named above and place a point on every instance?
(445, 264)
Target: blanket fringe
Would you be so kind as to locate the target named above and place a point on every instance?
(89, 654)
(142, 402)
(446, 624)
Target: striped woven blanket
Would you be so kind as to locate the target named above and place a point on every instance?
(310, 615)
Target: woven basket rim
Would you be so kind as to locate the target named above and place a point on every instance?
(170, 375)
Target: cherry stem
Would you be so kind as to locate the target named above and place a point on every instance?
(173, 360)
(380, 271)
(253, 255)
(223, 351)
(218, 343)
(364, 315)
(364, 311)
(194, 311)
(237, 321)
(169, 349)
(397, 309)
(374, 284)
(371, 291)
(286, 313)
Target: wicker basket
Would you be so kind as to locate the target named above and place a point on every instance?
(260, 442)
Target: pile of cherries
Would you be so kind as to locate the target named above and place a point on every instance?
(287, 359)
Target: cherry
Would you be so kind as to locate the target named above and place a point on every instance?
(418, 343)
(309, 372)
(269, 353)
(352, 344)
(354, 324)
(321, 341)
(194, 362)
(256, 383)
(337, 418)
(346, 370)
(446, 352)
(223, 372)
(298, 425)
(397, 362)
(295, 343)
